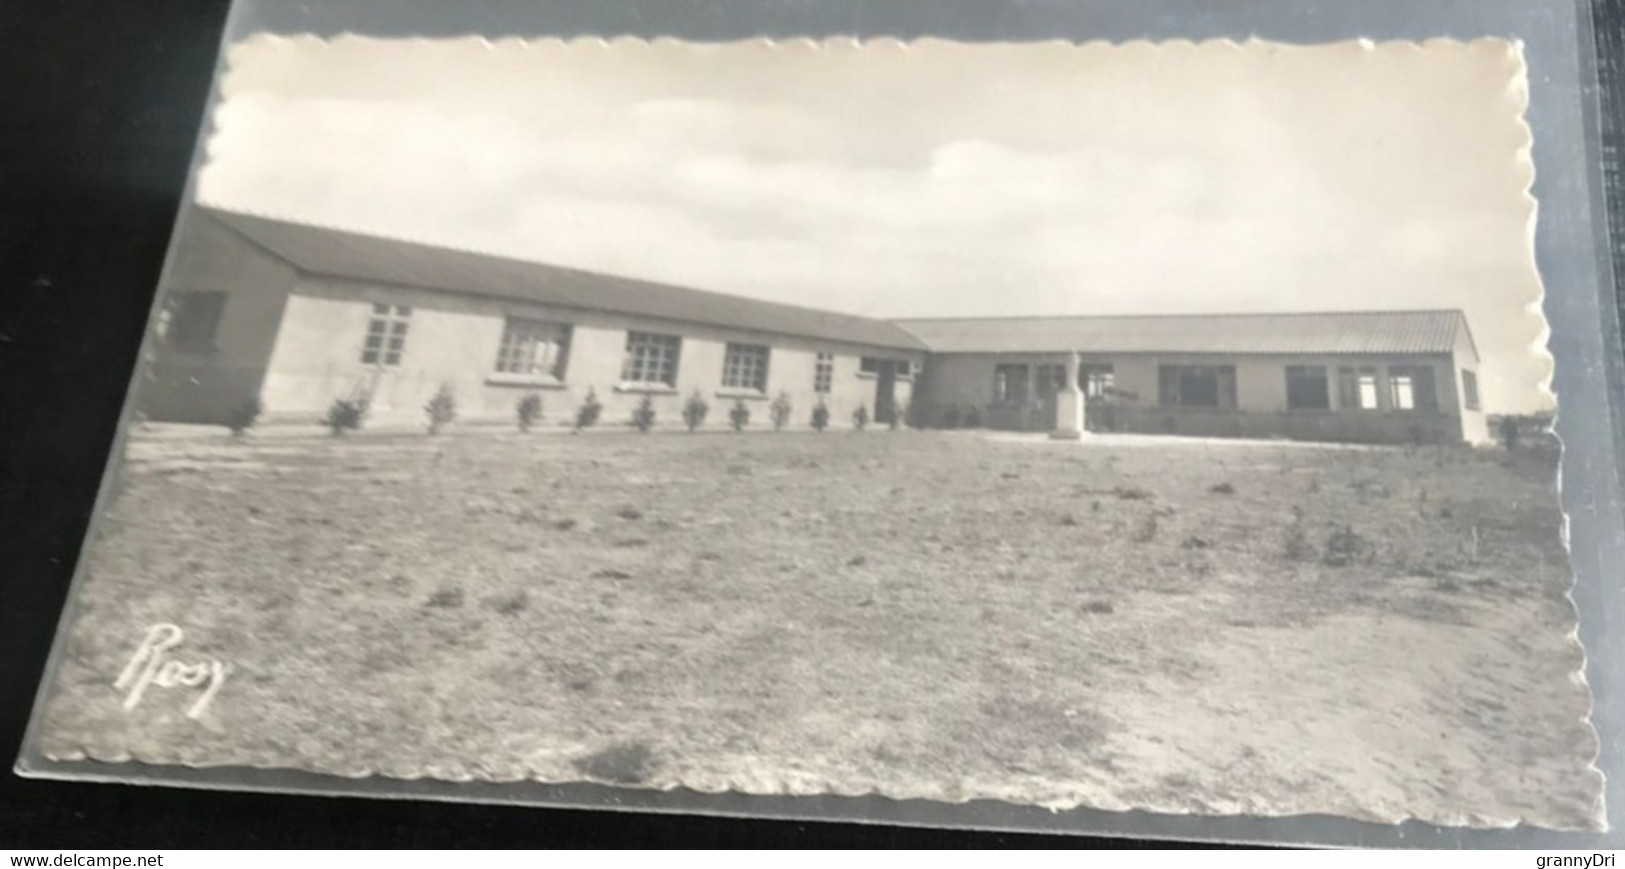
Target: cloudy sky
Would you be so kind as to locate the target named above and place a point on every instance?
(928, 179)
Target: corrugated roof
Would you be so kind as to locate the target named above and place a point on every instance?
(338, 253)
(1331, 333)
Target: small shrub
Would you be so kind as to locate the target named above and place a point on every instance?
(441, 409)
(820, 416)
(973, 418)
(739, 415)
(345, 415)
(896, 418)
(860, 418)
(589, 411)
(779, 411)
(951, 418)
(643, 416)
(695, 410)
(242, 416)
(529, 410)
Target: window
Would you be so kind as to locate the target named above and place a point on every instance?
(533, 347)
(1050, 379)
(869, 365)
(1357, 388)
(745, 367)
(1097, 380)
(1411, 388)
(1197, 385)
(1010, 384)
(905, 368)
(386, 335)
(1306, 388)
(195, 320)
(1469, 390)
(823, 373)
(651, 358)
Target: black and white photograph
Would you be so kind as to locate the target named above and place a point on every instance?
(1155, 425)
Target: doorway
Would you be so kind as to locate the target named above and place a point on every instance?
(886, 392)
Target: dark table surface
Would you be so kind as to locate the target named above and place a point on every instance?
(99, 107)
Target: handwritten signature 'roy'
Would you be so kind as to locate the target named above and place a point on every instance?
(152, 665)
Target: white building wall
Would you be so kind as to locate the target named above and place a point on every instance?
(454, 340)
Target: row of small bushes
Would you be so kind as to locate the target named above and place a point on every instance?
(696, 409)
(348, 414)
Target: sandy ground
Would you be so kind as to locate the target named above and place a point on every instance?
(1176, 626)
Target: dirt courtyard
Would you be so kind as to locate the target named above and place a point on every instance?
(1173, 626)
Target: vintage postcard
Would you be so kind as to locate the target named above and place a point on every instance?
(1156, 426)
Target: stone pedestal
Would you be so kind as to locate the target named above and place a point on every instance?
(1068, 415)
(1069, 405)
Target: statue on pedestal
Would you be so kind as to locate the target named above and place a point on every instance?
(1069, 403)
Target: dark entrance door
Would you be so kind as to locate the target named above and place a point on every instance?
(886, 393)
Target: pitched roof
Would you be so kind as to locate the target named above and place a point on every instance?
(1328, 333)
(337, 253)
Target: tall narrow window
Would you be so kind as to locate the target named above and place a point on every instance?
(823, 373)
(534, 347)
(651, 358)
(744, 366)
(386, 334)
(1469, 389)
(1197, 385)
(1411, 388)
(1306, 388)
(195, 321)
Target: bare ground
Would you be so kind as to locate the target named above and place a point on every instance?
(1221, 627)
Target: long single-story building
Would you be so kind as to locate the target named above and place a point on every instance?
(301, 316)
(1373, 377)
